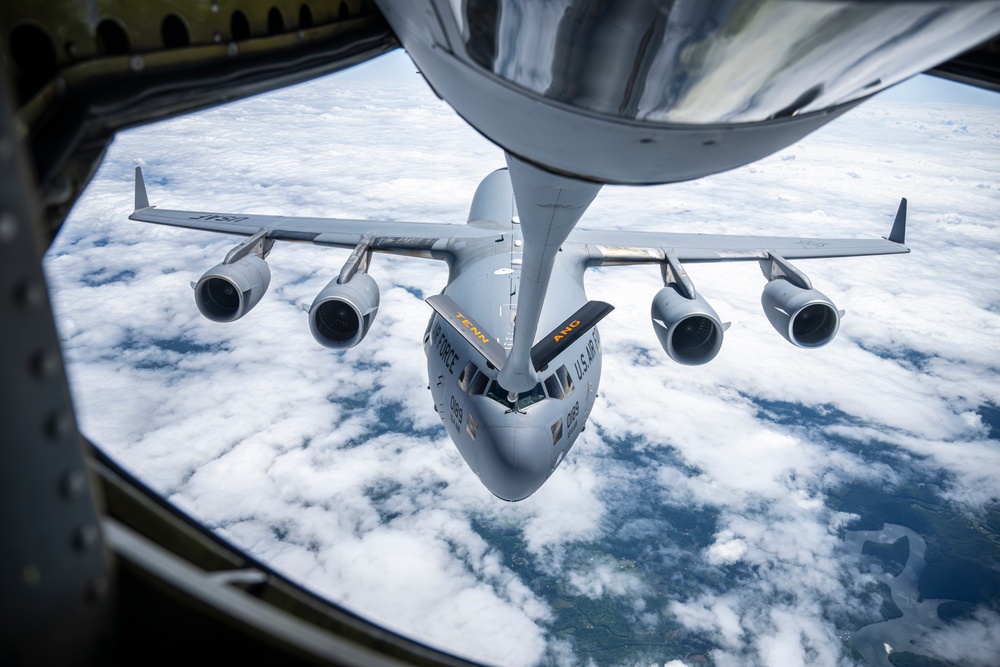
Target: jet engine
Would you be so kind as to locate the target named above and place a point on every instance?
(805, 317)
(227, 292)
(342, 313)
(688, 329)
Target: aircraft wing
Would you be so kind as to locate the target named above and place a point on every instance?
(621, 247)
(389, 236)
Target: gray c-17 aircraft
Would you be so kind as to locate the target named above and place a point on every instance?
(513, 438)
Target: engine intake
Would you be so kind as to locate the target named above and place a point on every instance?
(227, 292)
(342, 313)
(689, 329)
(805, 317)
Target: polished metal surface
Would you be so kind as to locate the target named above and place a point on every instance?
(81, 71)
(55, 589)
(724, 61)
(651, 91)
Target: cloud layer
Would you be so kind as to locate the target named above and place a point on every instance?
(693, 511)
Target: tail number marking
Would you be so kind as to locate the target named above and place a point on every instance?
(572, 417)
(456, 414)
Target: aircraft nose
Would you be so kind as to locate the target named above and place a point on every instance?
(515, 462)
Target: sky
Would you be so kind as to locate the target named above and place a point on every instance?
(397, 66)
(334, 468)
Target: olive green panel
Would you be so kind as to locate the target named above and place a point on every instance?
(64, 32)
(81, 71)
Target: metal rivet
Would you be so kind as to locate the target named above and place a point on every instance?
(30, 294)
(214, 7)
(74, 483)
(31, 575)
(45, 364)
(232, 49)
(86, 536)
(59, 425)
(8, 227)
(217, 37)
(96, 589)
(137, 63)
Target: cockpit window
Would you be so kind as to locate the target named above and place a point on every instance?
(531, 397)
(478, 384)
(498, 394)
(466, 375)
(553, 387)
(524, 399)
(565, 380)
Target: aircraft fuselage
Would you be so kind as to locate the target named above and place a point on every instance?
(512, 446)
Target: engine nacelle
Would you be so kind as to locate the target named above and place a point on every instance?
(227, 292)
(805, 317)
(688, 329)
(342, 313)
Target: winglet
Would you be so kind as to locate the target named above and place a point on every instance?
(898, 233)
(141, 201)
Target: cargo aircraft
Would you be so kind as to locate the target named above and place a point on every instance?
(514, 402)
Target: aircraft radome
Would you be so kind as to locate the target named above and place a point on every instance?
(514, 402)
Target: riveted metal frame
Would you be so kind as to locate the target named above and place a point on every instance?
(53, 566)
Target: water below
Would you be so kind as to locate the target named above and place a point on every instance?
(874, 641)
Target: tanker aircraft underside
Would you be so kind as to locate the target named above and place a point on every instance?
(514, 401)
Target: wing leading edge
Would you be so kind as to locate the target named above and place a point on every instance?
(388, 236)
(618, 247)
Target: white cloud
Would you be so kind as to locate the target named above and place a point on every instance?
(333, 467)
(974, 641)
(726, 549)
(718, 616)
(605, 577)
